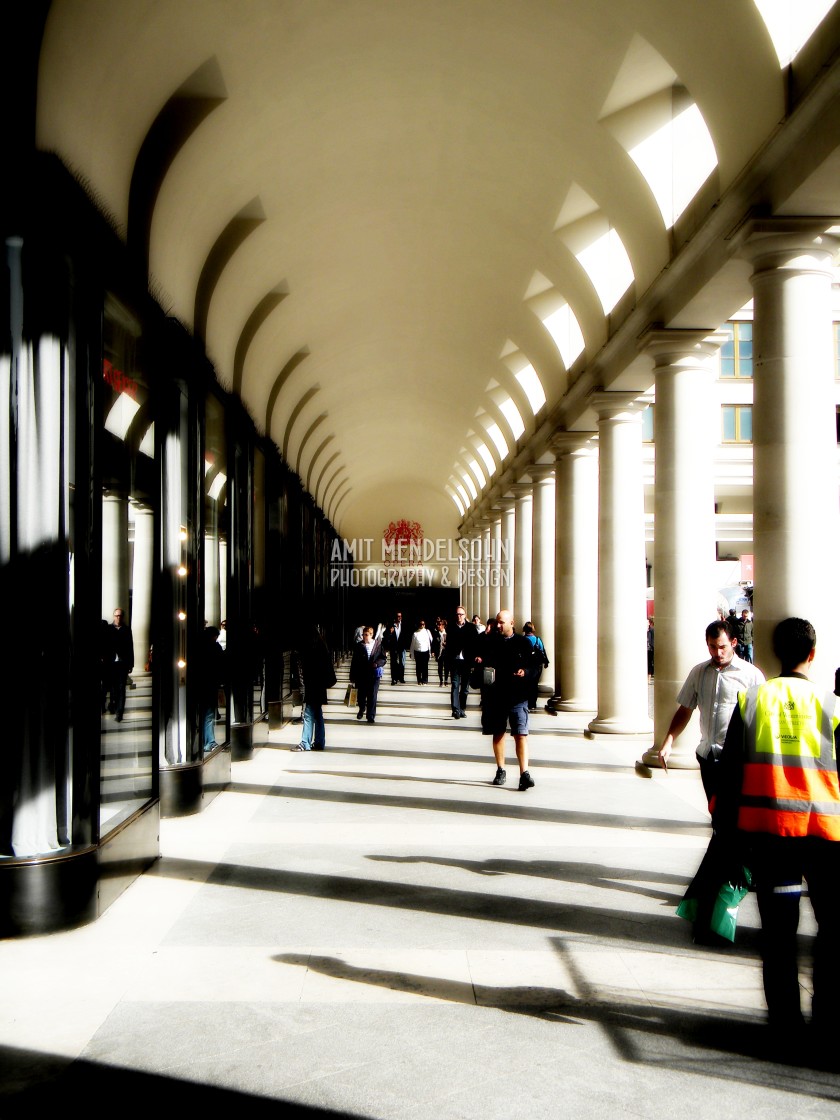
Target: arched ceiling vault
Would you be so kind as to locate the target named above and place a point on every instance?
(373, 185)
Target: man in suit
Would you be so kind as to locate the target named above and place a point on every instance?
(366, 668)
(397, 642)
(461, 640)
(121, 662)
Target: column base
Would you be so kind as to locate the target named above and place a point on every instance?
(188, 789)
(244, 737)
(649, 762)
(618, 726)
(44, 894)
(49, 894)
(241, 742)
(575, 706)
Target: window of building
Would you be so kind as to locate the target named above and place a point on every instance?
(737, 423)
(736, 354)
(648, 429)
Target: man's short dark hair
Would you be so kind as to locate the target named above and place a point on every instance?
(793, 640)
(718, 627)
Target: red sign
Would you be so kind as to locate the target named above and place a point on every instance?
(403, 542)
(118, 380)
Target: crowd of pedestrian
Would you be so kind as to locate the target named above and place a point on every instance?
(767, 756)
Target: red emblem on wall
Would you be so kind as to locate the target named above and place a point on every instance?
(403, 542)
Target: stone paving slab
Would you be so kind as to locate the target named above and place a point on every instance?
(377, 931)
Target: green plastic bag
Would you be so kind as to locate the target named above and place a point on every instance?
(725, 911)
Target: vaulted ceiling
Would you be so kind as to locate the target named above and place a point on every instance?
(390, 220)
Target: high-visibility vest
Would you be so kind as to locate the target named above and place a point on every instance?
(790, 784)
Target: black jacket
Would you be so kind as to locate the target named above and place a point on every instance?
(122, 646)
(507, 656)
(461, 639)
(363, 668)
(315, 672)
(396, 644)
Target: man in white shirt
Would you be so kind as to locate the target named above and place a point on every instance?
(712, 687)
(421, 648)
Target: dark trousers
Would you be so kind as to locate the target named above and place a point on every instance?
(397, 666)
(367, 692)
(534, 690)
(119, 682)
(708, 775)
(779, 864)
(460, 685)
(421, 666)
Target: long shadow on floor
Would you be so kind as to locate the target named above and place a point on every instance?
(732, 1048)
(446, 756)
(625, 767)
(609, 925)
(505, 807)
(33, 1084)
(628, 880)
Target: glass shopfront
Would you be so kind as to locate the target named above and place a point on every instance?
(129, 485)
(216, 558)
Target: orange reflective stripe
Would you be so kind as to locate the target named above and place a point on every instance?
(763, 779)
(790, 785)
(753, 818)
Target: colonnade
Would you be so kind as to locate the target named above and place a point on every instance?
(568, 536)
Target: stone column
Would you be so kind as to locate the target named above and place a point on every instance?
(223, 577)
(141, 584)
(523, 515)
(212, 601)
(576, 581)
(483, 606)
(542, 567)
(686, 434)
(472, 595)
(115, 567)
(795, 520)
(506, 564)
(495, 603)
(463, 566)
(622, 614)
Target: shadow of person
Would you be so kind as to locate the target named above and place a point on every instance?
(524, 1000)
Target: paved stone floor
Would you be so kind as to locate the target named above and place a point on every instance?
(376, 931)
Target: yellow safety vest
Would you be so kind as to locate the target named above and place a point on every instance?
(790, 785)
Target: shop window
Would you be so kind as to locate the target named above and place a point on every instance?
(216, 560)
(737, 423)
(736, 354)
(129, 497)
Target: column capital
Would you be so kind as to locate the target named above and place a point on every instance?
(670, 346)
(610, 406)
(539, 472)
(788, 242)
(564, 443)
(521, 490)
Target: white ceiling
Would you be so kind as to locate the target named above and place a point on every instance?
(411, 160)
